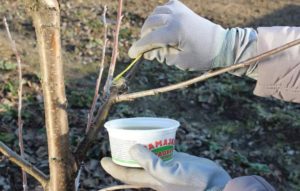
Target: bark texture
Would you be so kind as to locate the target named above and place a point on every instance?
(46, 19)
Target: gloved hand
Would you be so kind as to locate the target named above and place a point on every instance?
(184, 172)
(176, 35)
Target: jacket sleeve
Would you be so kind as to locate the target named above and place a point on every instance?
(279, 75)
(248, 183)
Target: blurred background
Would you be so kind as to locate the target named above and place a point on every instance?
(220, 118)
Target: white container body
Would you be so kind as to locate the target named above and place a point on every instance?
(157, 134)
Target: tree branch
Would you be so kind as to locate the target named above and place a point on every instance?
(46, 19)
(101, 68)
(25, 165)
(20, 92)
(109, 97)
(132, 96)
(81, 150)
(115, 52)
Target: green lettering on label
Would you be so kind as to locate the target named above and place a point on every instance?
(165, 152)
(161, 149)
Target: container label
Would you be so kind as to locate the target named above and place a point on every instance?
(120, 150)
(163, 148)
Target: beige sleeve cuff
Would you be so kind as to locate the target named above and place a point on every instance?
(279, 75)
(248, 183)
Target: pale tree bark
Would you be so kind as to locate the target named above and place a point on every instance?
(46, 19)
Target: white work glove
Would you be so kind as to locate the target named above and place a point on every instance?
(184, 173)
(176, 35)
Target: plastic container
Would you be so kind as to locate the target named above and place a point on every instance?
(157, 134)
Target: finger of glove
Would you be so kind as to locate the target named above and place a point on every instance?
(171, 60)
(176, 60)
(175, 6)
(153, 22)
(166, 172)
(160, 54)
(128, 175)
(165, 9)
(145, 158)
(158, 38)
(184, 61)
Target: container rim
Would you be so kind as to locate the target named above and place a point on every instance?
(163, 124)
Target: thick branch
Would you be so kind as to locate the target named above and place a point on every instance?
(46, 19)
(132, 96)
(115, 52)
(25, 165)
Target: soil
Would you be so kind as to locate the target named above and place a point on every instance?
(220, 119)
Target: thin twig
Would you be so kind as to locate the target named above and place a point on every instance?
(101, 68)
(108, 97)
(77, 179)
(20, 92)
(132, 96)
(25, 165)
(115, 52)
(121, 187)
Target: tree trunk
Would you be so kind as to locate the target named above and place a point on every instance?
(46, 19)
